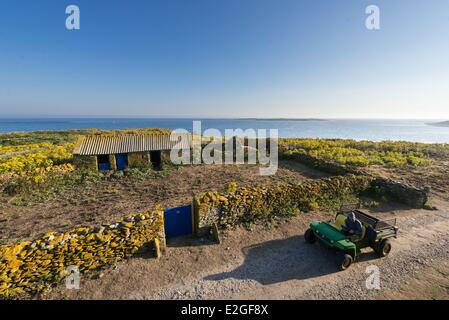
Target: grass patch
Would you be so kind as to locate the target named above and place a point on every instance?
(24, 192)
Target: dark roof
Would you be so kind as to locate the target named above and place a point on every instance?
(114, 144)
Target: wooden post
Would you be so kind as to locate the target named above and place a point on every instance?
(157, 247)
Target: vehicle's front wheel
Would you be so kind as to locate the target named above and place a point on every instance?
(383, 248)
(309, 236)
(345, 261)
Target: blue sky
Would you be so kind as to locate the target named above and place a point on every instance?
(225, 58)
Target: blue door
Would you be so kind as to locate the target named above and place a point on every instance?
(104, 166)
(121, 161)
(178, 221)
(103, 162)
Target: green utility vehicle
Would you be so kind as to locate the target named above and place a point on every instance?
(376, 234)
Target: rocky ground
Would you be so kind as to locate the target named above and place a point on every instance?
(275, 263)
(103, 202)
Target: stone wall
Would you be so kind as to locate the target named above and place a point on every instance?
(85, 162)
(138, 159)
(397, 191)
(330, 167)
(165, 155)
(402, 192)
(247, 205)
(29, 267)
(113, 162)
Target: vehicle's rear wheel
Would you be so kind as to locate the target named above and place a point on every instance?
(345, 261)
(309, 236)
(383, 248)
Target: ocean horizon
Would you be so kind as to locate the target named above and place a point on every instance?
(358, 129)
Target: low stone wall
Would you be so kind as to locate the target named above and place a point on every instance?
(29, 267)
(138, 159)
(85, 162)
(330, 167)
(397, 191)
(165, 155)
(246, 205)
(402, 192)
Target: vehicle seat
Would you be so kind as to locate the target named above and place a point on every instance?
(363, 231)
(339, 221)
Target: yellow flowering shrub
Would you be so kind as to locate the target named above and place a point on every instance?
(361, 153)
(42, 158)
(38, 176)
(23, 147)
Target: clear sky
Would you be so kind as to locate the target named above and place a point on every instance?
(225, 58)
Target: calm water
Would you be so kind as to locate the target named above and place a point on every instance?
(376, 130)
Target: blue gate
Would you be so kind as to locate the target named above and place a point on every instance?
(178, 221)
(121, 160)
(104, 166)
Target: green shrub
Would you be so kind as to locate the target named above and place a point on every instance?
(362, 153)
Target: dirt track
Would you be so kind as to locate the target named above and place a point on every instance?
(276, 263)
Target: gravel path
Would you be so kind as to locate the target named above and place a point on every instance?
(290, 269)
(276, 263)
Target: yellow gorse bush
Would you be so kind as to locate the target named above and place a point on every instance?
(38, 176)
(359, 153)
(24, 147)
(45, 156)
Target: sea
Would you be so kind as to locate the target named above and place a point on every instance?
(358, 129)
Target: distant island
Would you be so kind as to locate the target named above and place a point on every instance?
(283, 119)
(440, 124)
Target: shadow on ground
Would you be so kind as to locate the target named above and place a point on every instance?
(286, 259)
(148, 251)
(190, 241)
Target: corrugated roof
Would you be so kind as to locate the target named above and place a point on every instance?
(96, 145)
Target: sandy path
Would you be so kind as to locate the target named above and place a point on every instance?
(274, 263)
(285, 271)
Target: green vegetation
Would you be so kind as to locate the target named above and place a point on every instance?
(127, 131)
(247, 205)
(43, 155)
(26, 138)
(64, 136)
(364, 153)
(36, 165)
(25, 189)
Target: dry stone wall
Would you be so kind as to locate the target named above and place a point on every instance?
(416, 197)
(29, 267)
(246, 205)
(85, 162)
(138, 159)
